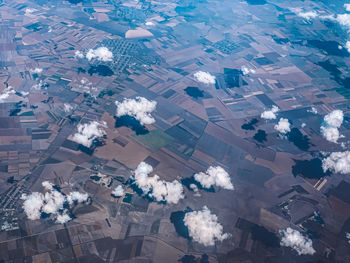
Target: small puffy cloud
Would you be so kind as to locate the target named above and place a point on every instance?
(203, 227)
(153, 186)
(101, 54)
(88, 132)
(347, 46)
(62, 219)
(85, 85)
(329, 128)
(78, 54)
(39, 85)
(330, 133)
(47, 185)
(76, 197)
(338, 162)
(283, 126)
(245, 70)
(343, 19)
(195, 189)
(347, 7)
(347, 236)
(270, 114)
(313, 110)
(6, 93)
(29, 11)
(85, 81)
(171, 192)
(67, 107)
(118, 191)
(140, 108)
(295, 240)
(52, 202)
(214, 176)
(335, 118)
(308, 15)
(204, 77)
(24, 93)
(36, 70)
(32, 205)
(149, 23)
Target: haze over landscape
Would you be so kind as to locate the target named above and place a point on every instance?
(188, 131)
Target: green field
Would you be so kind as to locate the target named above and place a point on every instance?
(154, 140)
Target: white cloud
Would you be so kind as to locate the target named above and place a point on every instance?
(88, 132)
(149, 23)
(347, 46)
(204, 77)
(214, 176)
(270, 114)
(85, 85)
(6, 93)
(204, 228)
(347, 235)
(344, 145)
(329, 128)
(313, 110)
(295, 240)
(76, 197)
(24, 93)
(331, 134)
(283, 126)
(245, 70)
(139, 108)
(32, 205)
(36, 70)
(67, 107)
(343, 19)
(308, 15)
(118, 191)
(85, 81)
(51, 202)
(101, 53)
(195, 189)
(62, 219)
(335, 118)
(39, 85)
(28, 11)
(338, 162)
(347, 7)
(47, 185)
(153, 186)
(78, 54)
